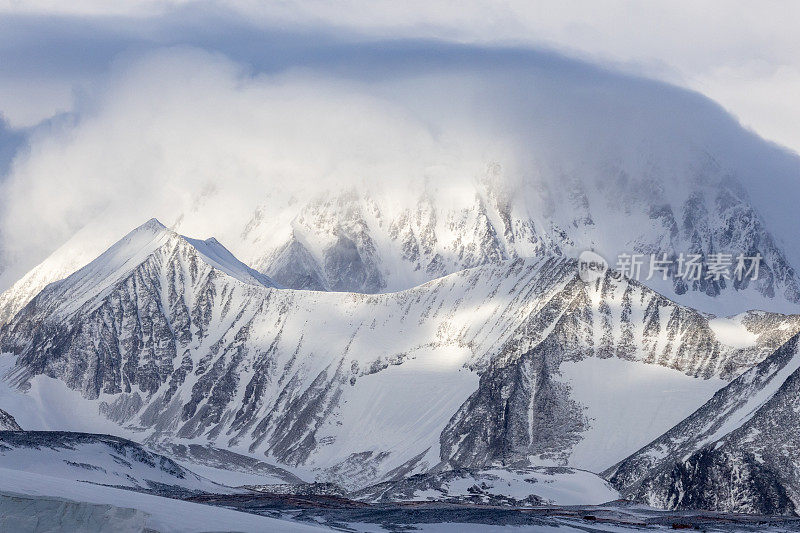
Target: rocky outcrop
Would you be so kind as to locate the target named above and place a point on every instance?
(7, 422)
(499, 486)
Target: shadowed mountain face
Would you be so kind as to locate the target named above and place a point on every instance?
(173, 340)
(736, 453)
(7, 422)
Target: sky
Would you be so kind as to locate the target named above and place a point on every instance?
(138, 107)
(743, 54)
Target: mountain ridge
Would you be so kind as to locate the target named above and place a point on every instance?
(375, 241)
(169, 347)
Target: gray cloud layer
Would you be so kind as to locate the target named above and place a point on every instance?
(741, 53)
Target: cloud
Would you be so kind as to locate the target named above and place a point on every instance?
(182, 132)
(711, 46)
(162, 109)
(185, 132)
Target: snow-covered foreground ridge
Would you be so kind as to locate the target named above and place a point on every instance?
(60, 481)
(99, 459)
(173, 339)
(109, 461)
(34, 502)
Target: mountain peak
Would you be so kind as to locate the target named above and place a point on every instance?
(152, 224)
(152, 227)
(151, 250)
(153, 234)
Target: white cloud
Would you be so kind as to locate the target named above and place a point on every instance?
(293, 93)
(709, 46)
(90, 7)
(185, 132)
(764, 97)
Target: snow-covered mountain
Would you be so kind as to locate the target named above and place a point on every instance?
(397, 329)
(736, 453)
(370, 240)
(73, 255)
(368, 243)
(512, 362)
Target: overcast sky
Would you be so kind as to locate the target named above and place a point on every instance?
(743, 54)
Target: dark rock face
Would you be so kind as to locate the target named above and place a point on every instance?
(728, 481)
(349, 259)
(735, 453)
(519, 410)
(7, 422)
(295, 267)
(344, 260)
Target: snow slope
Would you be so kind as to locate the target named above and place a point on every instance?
(80, 250)
(98, 459)
(621, 395)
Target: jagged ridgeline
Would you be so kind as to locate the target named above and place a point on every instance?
(373, 241)
(516, 362)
